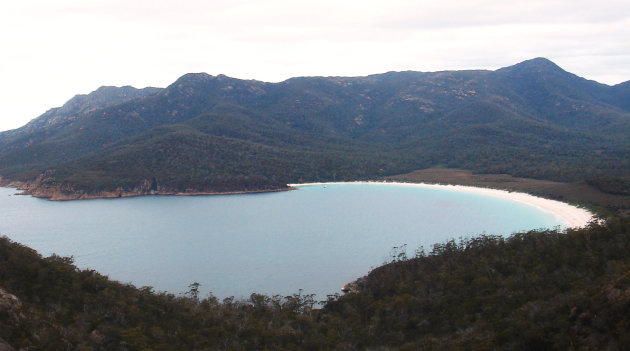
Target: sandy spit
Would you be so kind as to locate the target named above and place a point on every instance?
(574, 217)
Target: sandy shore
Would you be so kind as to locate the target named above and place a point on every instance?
(573, 217)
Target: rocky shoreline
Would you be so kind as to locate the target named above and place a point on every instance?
(66, 193)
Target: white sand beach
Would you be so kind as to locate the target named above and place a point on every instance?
(574, 217)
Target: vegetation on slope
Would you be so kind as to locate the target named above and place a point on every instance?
(604, 195)
(539, 290)
(531, 120)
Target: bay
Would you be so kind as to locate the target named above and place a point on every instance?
(316, 238)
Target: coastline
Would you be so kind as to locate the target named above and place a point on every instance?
(573, 216)
(57, 194)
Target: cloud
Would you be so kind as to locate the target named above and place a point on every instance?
(53, 50)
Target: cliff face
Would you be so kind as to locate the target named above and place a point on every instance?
(4, 346)
(11, 309)
(43, 188)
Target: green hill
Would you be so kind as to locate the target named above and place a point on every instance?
(532, 120)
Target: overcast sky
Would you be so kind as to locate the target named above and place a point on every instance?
(53, 50)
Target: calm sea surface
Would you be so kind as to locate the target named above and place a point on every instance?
(316, 238)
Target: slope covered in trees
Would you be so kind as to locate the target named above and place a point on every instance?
(532, 120)
(539, 290)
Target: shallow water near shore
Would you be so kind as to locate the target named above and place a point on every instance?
(316, 238)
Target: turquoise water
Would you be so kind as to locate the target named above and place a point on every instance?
(316, 238)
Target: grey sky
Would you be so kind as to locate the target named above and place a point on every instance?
(52, 50)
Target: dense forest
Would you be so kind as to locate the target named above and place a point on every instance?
(538, 290)
(208, 133)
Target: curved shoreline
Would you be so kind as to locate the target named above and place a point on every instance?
(573, 216)
(57, 194)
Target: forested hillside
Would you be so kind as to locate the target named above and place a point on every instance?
(540, 290)
(215, 133)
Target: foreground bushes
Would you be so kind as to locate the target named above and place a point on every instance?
(536, 290)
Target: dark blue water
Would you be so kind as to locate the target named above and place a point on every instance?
(316, 238)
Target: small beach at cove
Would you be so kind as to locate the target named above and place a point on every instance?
(574, 217)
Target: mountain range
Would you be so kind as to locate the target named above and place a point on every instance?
(214, 134)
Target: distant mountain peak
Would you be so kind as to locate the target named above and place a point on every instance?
(102, 97)
(81, 104)
(538, 61)
(194, 78)
(536, 65)
(192, 81)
